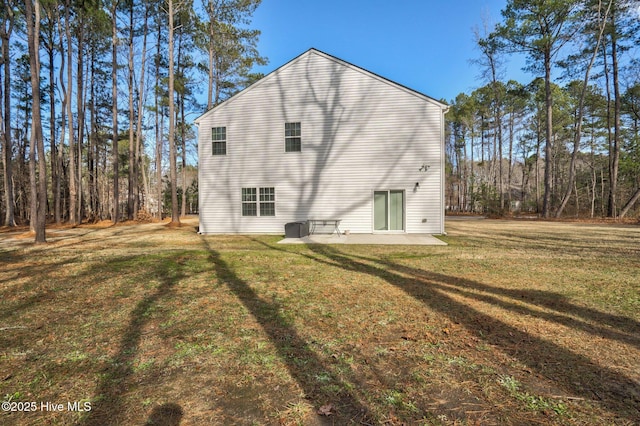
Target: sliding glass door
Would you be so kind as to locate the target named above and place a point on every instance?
(388, 210)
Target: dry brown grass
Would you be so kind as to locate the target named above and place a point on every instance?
(514, 322)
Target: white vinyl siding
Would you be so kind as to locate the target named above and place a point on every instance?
(361, 134)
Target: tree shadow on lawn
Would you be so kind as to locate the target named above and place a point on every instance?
(575, 373)
(114, 378)
(42, 291)
(165, 415)
(18, 265)
(304, 366)
(614, 327)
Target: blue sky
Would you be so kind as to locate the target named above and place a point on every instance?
(423, 44)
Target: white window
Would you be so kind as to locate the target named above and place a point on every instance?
(292, 137)
(265, 206)
(249, 202)
(219, 141)
(267, 201)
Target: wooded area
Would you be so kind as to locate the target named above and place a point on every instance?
(111, 86)
(97, 97)
(553, 146)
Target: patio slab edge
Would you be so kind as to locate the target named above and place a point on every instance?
(371, 239)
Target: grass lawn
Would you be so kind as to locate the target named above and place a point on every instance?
(513, 322)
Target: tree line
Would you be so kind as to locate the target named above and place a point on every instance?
(96, 100)
(568, 141)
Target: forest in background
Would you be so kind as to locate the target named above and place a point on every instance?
(553, 146)
(97, 97)
(97, 101)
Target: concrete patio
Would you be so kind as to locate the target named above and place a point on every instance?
(375, 239)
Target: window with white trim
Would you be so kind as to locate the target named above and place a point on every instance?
(292, 137)
(259, 201)
(249, 202)
(219, 141)
(267, 201)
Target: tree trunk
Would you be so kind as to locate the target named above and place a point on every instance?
(114, 111)
(575, 188)
(548, 99)
(48, 41)
(7, 148)
(183, 140)
(594, 177)
(472, 196)
(22, 209)
(630, 203)
(217, 78)
(615, 152)
(63, 119)
(510, 159)
(73, 190)
(493, 155)
(92, 153)
(33, 182)
(55, 177)
(158, 115)
(593, 192)
(212, 22)
(132, 160)
(499, 140)
(183, 143)
(175, 213)
(33, 30)
(81, 113)
(465, 176)
(537, 164)
(141, 99)
(159, 154)
(525, 179)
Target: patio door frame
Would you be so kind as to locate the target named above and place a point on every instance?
(391, 214)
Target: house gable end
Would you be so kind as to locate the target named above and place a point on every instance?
(328, 57)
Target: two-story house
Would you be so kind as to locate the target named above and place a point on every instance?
(320, 138)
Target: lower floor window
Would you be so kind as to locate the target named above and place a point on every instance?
(264, 205)
(267, 201)
(249, 206)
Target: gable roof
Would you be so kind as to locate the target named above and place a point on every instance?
(311, 51)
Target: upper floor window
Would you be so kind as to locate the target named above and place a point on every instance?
(219, 141)
(292, 137)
